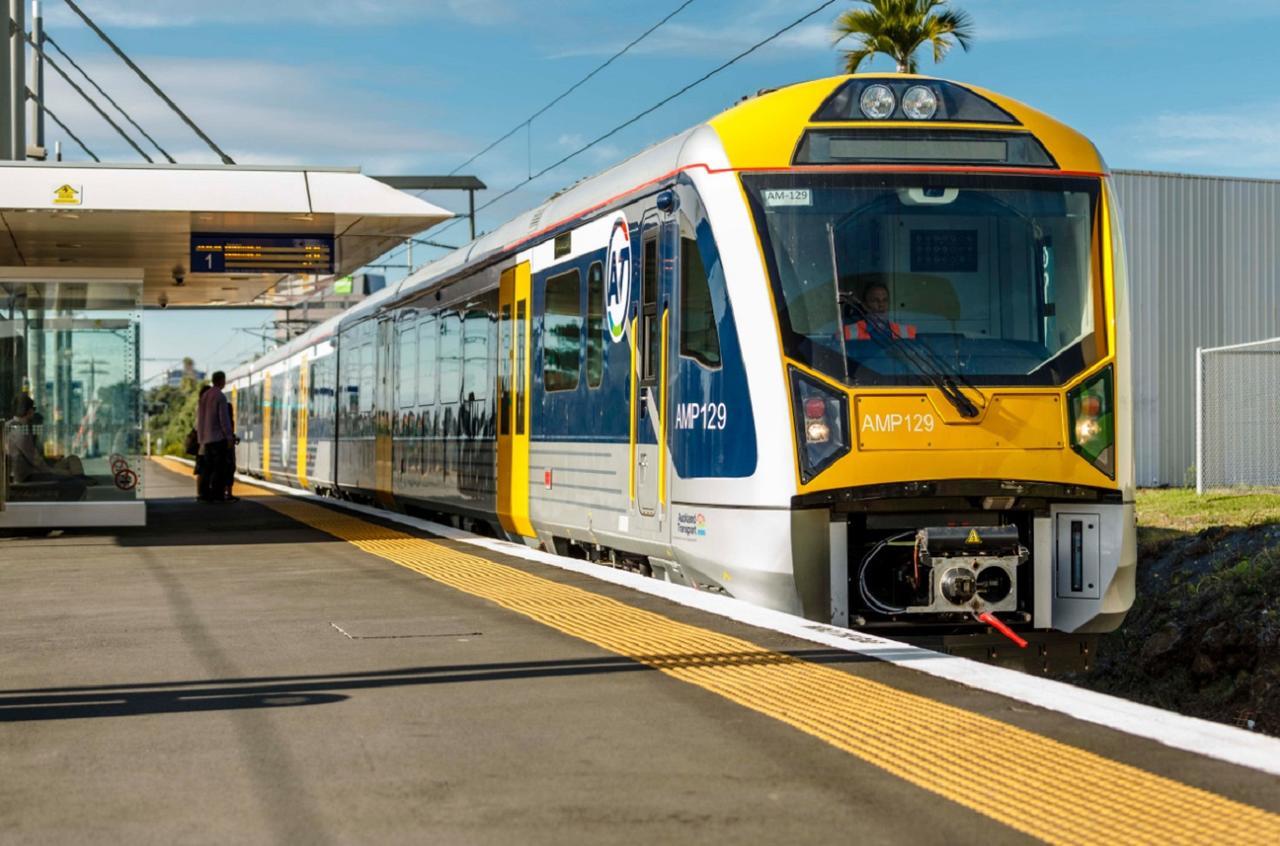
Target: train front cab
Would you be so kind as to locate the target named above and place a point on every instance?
(948, 277)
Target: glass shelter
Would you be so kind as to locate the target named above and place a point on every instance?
(70, 398)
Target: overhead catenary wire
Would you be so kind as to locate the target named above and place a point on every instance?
(529, 120)
(640, 115)
(31, 96)
(47, 59)
(48, 39)
(156, 88)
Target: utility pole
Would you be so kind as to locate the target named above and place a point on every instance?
(18, 78)
(35, 115)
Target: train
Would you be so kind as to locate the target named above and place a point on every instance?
(856, 349)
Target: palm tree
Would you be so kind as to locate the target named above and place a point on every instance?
(898, 28)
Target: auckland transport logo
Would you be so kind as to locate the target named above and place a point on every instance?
(691, 526)
(618, 292)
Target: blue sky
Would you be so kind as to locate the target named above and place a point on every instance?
(417, 86)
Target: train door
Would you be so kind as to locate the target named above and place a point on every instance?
(514, 301)
(383, 408)
(649, 360)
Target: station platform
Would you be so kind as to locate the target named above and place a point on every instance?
(284, 670)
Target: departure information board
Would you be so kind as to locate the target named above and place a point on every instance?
(220, 253)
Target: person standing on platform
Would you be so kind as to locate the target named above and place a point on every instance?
(214, 429)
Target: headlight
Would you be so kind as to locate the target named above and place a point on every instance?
(822, 424)
(877, 101)
(919, 103)
(1093, 433)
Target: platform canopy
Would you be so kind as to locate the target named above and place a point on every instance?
(235, 235)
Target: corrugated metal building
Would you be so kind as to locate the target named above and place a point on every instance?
(1205, 271)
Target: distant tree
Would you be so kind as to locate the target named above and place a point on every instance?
(898, 28)
(172, 415)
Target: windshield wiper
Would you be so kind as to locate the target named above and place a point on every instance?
(919, 357)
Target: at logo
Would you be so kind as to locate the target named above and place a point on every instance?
(618, 289)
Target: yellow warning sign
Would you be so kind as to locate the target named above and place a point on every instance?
(973, 537)
(66, 195)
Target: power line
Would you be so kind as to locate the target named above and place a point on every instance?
(575, 86)
(156, 88)
(49, 39)
(57, 67)
(527, 122)
(795, 23)
(65, 128)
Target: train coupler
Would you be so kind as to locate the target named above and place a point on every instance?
(969, 568)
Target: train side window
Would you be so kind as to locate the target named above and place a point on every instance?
(595, 325)
(520, 374)
(649, 330)
(427, 361)
(366, 377)
(504, 371)
(450, 358)
(350, 379)
(407, 358)
(562, 332)
(475, 355)
(699, 339)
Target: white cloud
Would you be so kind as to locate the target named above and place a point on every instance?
(150, 14)
(713, 40)
(259, 111)
(1244, 137)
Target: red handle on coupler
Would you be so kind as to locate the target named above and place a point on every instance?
(994, 622)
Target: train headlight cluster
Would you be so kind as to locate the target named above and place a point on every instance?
(919, 103)
(877, 101)
(822, 424)
(1093, 421)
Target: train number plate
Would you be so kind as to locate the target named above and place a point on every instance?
(915, 422)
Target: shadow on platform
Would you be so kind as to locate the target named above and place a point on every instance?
(65, 703)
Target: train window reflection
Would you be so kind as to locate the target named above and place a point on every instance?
(450, 358)
(427, 361)
(699, 339)
(990, 277)
(562, 332)
(366, 377)
(407, 384)
(504, 371)
(522, 340)
(595, 325)
(475, 355)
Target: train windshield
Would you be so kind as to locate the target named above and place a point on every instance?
(895, 279)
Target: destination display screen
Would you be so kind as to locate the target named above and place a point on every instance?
(221, 253)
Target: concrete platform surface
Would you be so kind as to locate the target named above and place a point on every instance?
(280, 672)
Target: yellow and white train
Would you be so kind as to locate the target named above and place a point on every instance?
(856, 348)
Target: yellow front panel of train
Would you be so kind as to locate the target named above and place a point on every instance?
(913, 422)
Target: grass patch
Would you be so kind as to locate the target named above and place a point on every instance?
(1183, 510)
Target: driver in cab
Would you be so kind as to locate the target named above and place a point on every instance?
(875, 322)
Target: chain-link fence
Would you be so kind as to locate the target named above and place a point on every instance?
(1238, 416)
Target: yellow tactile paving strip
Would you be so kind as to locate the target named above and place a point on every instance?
(1044, 788)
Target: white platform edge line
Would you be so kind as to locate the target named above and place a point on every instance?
(1191, 734)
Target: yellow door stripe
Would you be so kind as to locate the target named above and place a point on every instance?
(635, 381)
(520, 480)
(266, 426)
(663, 405)
(304, 395)
(1039, 786)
